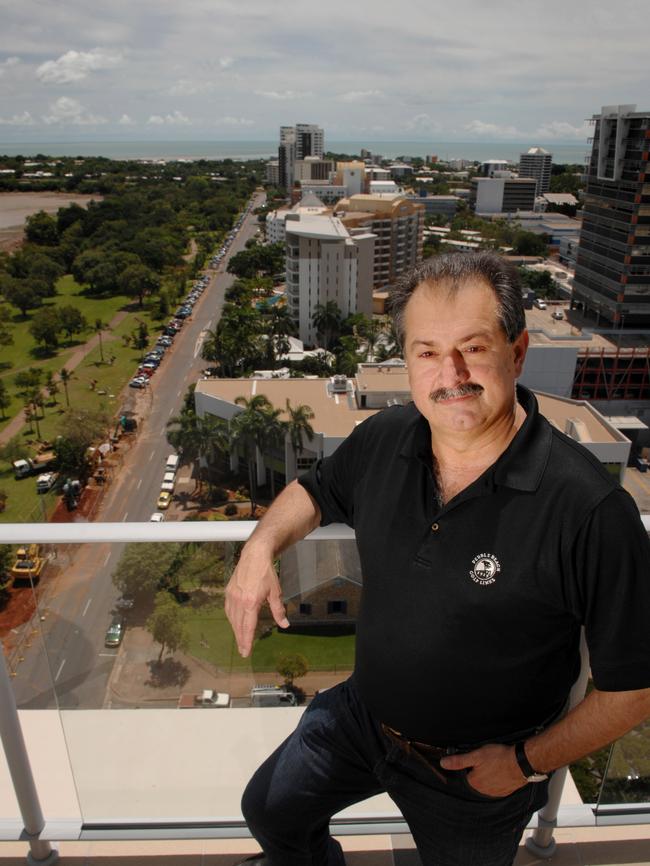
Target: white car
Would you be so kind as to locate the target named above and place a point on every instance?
(157, 517)
(46, 481)
(169, 479)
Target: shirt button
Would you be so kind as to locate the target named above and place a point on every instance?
(435, 527)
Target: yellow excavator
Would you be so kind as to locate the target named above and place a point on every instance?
(28, 565)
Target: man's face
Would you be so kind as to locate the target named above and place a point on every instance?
(462, 369)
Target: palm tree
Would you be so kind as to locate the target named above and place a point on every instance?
(247, 430)
(183, 435)
(273, 432)
(65, 376)
(327, 321)
(213, 439)
(298, 427)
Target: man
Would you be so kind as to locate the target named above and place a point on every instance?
(487, 540)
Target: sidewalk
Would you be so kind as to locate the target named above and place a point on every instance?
(18, 421)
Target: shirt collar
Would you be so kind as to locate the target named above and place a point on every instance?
(522, 464)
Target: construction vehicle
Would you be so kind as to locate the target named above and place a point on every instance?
(28, 566)
(33, 465)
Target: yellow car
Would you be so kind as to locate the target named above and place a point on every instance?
(164, 500)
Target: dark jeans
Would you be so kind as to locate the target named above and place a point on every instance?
(339, 755)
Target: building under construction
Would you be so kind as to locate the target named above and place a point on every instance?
(612, 374)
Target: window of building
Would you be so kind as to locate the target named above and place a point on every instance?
(337, 607)
(305, 609)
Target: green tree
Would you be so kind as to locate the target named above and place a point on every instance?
(298, 427)
(6, 335)
(144, 567)
(42, 229)
(291, 666)
(14, 449)
(248, 430)
(5, 398)
(20, 293)
(137, 281)
(51, 386)
(529, 244)
(72, 320)
(99, 327)
(45, 327)
(184, 436)
(65, 376)
(327, 322)
(168, 625)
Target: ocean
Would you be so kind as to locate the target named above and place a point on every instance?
(243, 150)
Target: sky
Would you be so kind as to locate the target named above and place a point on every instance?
(74, 70)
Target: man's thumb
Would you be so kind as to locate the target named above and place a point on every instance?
(457, 762)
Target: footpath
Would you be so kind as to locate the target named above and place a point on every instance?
(18, 421)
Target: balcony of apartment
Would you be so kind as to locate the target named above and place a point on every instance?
(121, 771)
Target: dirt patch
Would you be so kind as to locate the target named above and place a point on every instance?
(18, 610)
(85, 510)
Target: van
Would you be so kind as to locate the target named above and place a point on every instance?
(172, 463)
(540, 304)
(272, 696)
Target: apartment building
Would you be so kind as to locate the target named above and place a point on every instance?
(297, 143)
(309, 204)
(537, 163)
(398, 225)
(325, 263)
(612, 278)
(502, 194)
(312, 168)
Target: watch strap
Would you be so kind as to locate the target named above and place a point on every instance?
(525, 766)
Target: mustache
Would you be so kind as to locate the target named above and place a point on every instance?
(452, 393)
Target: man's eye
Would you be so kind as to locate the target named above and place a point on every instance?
(472, 349)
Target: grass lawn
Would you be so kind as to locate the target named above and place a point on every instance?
(24, 504)
(211, 639)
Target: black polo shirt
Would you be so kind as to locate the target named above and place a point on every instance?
(471, 612)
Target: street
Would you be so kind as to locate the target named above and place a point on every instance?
(73, 667)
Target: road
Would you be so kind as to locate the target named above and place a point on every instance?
(75, 668)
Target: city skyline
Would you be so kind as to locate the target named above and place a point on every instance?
(228, 70)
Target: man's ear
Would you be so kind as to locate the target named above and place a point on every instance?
(520, 347)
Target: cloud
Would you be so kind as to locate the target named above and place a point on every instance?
(236, 121)
(561, 130)
(187, 87)
(177, 118)
(24, 119)
(422, 123)
(76, 65)
(478, 127)
(70, 111)
(283, 95)
(7, 64)
(225, 62)
(360, 95)
(125, 120)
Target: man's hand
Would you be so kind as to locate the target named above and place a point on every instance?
(253, 582)
(495, 771)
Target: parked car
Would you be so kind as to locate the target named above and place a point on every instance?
(164, 500)
(169, 479)
(166, 340)
(139, 382)
(114, 633)
(557, 314)
(157, 517)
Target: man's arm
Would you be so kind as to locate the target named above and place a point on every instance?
(292, 515)
(596, 721)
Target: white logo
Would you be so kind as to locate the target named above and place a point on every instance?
(485, 567)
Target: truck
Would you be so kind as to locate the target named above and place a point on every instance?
(206, 698)
(28, 565)
(272, 696)
(30, 465)
(46, 481)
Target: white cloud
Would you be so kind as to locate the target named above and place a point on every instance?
(282, 95)
(561, 130)
(71, 111)
(125, 120)
(177, 118)
(422, 123)
(478, 127)
(188, 87)
(225, 62)
(360, 95)
(24, 119)
(76, 65)
(7, 64)
(236, 121)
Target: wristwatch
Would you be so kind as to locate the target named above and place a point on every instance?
(525, 765)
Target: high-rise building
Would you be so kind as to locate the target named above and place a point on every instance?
(612, 275)
(537, 163)
(324, 263)
(502, 194)
(297, 143)
(398, 225)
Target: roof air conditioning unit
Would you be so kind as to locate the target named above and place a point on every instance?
(339, 384)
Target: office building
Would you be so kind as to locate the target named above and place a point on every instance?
(612, 279)
(437, 205)
(537, 163)
(502, 194)
(325, 263)
(297, 143)
(398, 225)
(312, 168)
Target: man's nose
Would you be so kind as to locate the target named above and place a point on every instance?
(453, 370)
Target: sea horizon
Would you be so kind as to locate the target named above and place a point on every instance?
(563, 153)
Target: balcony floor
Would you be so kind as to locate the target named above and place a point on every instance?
(603, 846)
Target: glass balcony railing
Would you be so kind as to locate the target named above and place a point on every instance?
(118, 630)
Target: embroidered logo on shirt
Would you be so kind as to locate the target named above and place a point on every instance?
(485, 568)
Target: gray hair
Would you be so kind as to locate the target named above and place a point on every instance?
(454, 269)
